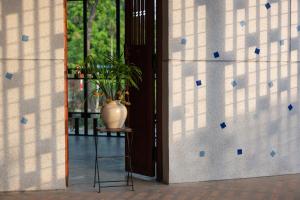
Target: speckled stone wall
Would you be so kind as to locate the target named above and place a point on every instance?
(233, 89)
(32, 142)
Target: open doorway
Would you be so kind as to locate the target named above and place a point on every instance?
(123, 28)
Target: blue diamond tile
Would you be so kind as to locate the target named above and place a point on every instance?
(268, 5)
(183, 41)
(239, 152)
(24, 120)
(298, 28)
(270, 84)
(242, 23)
(290, 107)
(25, 38)
(273, 153)
(257, 51)
(202, 154)
(8, 75)
(216, 54)
(234, 83)
(198, 82)
(223, 125)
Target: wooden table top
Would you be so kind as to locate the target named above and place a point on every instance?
(114, 130)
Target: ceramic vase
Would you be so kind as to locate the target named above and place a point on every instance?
(114, 114)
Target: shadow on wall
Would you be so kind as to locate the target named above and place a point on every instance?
(32, 141)
(233, 63)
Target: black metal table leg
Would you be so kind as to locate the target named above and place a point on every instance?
(127, 157)
(129, 146)
(129, 137)
(131, 161)
(97, 173)
(98, 176)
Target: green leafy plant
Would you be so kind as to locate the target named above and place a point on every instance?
(71, 69)
(114, 79)
(87, 67)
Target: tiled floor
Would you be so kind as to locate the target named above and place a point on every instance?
(81, 181)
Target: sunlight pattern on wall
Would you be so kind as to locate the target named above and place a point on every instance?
(243, 120)
(185, 76)
(32, 142)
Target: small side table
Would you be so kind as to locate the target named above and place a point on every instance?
(129, 136)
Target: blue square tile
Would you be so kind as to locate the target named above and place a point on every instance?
(242, 23)
(239, 152)
(257, 51)
(216, 54)
(268, 5)
(183, 41)
(25, 38)
(273, 153)
(198, 82)
(270, 84)
(234, 83)
(202, 153)
(24, 120)
(8, 75)
(290, 107)
(298, 28)
(223, 125)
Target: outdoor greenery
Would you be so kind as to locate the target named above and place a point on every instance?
(75, 33)
(101, 24)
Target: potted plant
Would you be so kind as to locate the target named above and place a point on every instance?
(113, 81)
(88, 68)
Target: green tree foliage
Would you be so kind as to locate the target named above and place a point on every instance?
(75, 32)
(101, 30)
(101, 41)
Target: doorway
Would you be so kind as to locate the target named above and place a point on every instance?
(121, 28)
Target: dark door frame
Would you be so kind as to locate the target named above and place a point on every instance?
(162, 91)
(162, 46)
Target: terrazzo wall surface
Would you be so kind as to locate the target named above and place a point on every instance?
(233, 89)
(32, 142)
